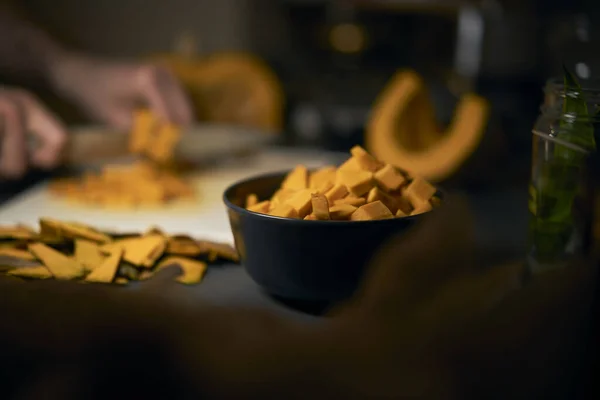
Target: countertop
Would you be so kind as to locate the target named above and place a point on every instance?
(501, 228)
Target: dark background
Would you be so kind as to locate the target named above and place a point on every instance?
(517, 46)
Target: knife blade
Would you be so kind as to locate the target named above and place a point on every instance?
(198, 144)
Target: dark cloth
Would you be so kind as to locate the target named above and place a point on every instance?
(426, 323)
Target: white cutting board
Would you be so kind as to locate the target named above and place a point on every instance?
(205, 217)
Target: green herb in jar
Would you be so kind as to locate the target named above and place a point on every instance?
(556, 182)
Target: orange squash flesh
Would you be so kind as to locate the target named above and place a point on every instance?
(405, 111)
(230, 88)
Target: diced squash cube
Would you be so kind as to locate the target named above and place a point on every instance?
(422, 208)
(325, 187)
(262, 207)
(435, 201)
(301, 202)
(357, 182)
(284, 211)
(352, 200)
(321, 176)
(341, 211)
(419, 191)
(350, 164)
(297, 179)
(378, 194)
(389, 178)
(251, 200)
(282, 195)
(403, 203)
(371, 211)
(320, 207)
(400, 214)
(364, 160)
(336, 192)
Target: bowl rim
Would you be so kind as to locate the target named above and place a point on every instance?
(254, 214)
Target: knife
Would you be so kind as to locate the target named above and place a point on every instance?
(89, 145)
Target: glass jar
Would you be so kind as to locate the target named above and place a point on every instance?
(563, 137)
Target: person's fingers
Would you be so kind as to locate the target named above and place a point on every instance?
(164, 94)
(414, 264)
(13, 145)
(119, 117)
(177, 100)
(51, 133)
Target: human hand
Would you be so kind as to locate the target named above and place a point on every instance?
(110, 91)
(21, 115)
(429, 314)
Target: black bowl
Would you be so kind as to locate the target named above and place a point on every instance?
(298, 260)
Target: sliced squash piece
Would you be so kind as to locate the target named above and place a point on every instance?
(144, 124)
(17, 253)
(121, 281)
(140, 251)
(220, 250)
(37, 272)
(402, 130)
(17, 232)
(107, 270)
(71, 230)
(192, 270)
(88, 254)
(61, 266)
(182, 245)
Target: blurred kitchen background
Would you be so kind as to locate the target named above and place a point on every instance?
(334, 57)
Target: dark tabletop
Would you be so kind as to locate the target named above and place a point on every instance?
(500, 233)
(501, 230)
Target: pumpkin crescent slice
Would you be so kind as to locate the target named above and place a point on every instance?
(444, 153)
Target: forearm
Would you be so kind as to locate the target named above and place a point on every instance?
(26, 52)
